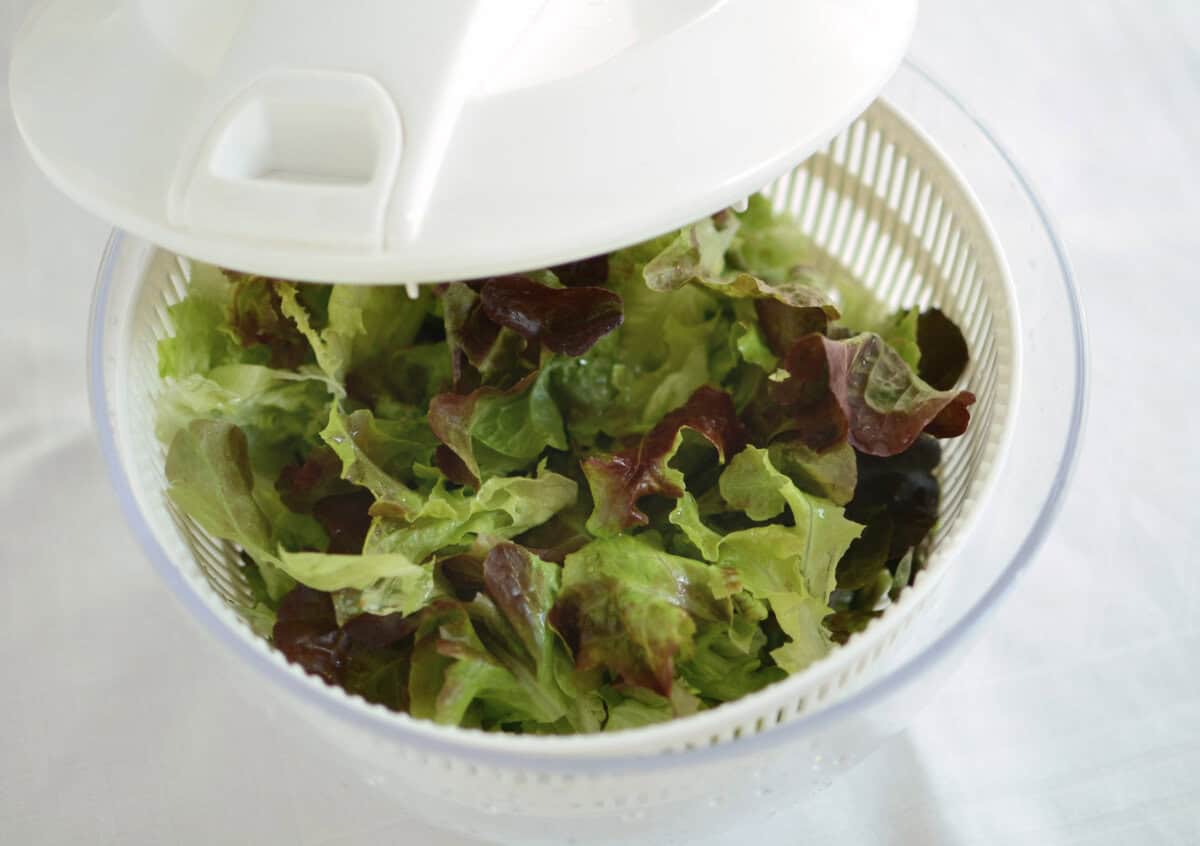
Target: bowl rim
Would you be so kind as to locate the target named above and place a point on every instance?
(437, 740)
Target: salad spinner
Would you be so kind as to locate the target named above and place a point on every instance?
(406, 143)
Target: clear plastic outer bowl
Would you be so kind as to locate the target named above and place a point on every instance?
(529, 791)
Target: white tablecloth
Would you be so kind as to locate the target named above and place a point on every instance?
(1076, 719)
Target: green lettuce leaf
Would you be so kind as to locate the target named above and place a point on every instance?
(512, 617)
(831, 474)
(723, 669)
(210, 479)
(369, 584)
(523, 589)
(686, 516)
(633, 707)
(278, 411)
(502, 508)
(669, 345)
(398, 441)
(331, 345)
(771, 310)
(365, 447)
(379, 675)
(752, 484)
(769, 244)
(203, 338)
(364, 324)
(769, 562)
(753, 347)
(698, 254)
(292, 530)
(494, 432)
(792, 568)
(337, 572)
(457, 679)
(632, 608)
(377, 319)
(401, 379)
(900, 333)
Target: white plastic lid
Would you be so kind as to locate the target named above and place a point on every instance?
(407, 141)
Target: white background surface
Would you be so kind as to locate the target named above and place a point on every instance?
(1075, 721)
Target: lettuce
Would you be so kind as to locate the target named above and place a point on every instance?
(494, 432)
(496, 658)
(632, 608)
(566, 320)
(792, 568)
(454, 519)
(365, 448)
(257, 319)
(769, 244)
(619, 480)
(453, 671)
(669, 345)
(210, 478)
(584, 498)
(897, 499)
(721, 669)
(860, 390)
(203, 337)
(279, 411)
(364, 323)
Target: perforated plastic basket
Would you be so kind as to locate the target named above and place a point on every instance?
(880, 202)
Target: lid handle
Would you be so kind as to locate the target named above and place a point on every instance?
(301, 156)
